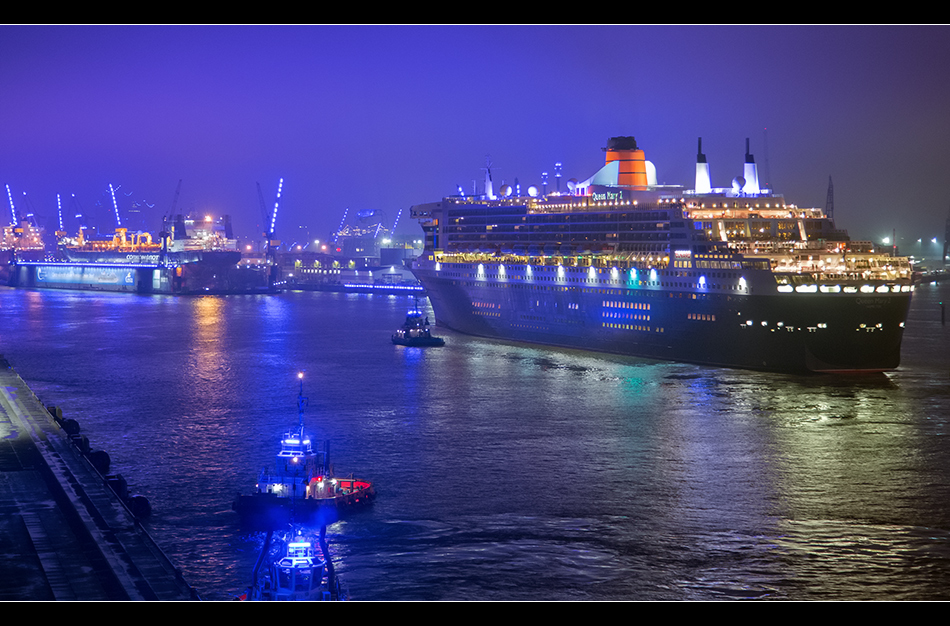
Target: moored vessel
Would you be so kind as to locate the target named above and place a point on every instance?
(189, 259)
(301, 487)
(731, 276)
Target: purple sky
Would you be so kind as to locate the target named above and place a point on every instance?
(386, 117)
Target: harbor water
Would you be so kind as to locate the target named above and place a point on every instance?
(507, 471)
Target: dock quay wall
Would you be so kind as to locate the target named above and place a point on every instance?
(64, 533)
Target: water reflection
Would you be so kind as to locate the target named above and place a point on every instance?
(207, 350)
(508, 471)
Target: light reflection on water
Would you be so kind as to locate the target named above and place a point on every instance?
(507, 471)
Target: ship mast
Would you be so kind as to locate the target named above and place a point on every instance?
(301, 401)
(489, 191)
(830, 202)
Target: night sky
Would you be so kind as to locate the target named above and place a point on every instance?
(381, 118)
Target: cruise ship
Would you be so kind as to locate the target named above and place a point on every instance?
(733, 277)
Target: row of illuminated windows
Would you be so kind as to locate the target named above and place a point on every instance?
(626, 305)
(637, 327)
(626, 316)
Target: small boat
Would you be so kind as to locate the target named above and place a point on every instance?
(415, 331)
(301, 487)
(294, 571)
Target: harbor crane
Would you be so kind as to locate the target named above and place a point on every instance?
(12, 206)
(270, 251)
(270, 221)
(166, 233)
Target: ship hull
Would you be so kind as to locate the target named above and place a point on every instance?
(266, 510)
(750, 328)
(199, 272)
(103, 277)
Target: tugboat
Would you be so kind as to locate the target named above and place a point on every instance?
(301, 486)
(299, 574)
(415, 331)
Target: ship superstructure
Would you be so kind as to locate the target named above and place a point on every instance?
(731, 276)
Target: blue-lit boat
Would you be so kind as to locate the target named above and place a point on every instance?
(301, 486)
(295, 571)
(415, 332)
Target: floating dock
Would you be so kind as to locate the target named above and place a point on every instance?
(64, 534)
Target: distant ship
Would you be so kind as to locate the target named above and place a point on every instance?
(193, 257)
(733, 277)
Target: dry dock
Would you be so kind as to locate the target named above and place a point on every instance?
(64, 534)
